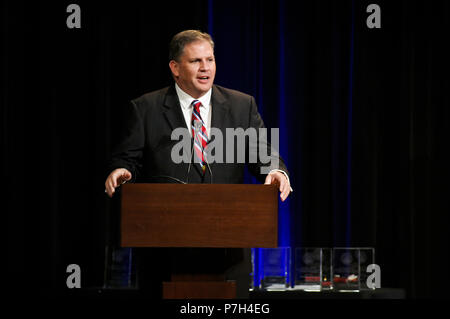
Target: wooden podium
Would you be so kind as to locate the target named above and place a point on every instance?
(175, 215)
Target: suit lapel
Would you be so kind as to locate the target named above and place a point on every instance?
(173, 113)
(219, 110)
(175, 118)
(219, 114)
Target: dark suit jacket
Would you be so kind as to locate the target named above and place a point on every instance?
(145, 150)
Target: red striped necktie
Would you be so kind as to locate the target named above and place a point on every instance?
(199, 134)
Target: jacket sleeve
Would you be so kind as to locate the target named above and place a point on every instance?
(267, 155)
(128, 152)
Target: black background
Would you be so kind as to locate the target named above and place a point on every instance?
(64, 90)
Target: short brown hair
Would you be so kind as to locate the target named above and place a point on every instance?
(182, 38)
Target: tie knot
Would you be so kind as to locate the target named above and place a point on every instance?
(196, 104)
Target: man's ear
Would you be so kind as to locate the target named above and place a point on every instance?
(173, 65)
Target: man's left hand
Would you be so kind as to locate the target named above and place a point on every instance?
(278, 179)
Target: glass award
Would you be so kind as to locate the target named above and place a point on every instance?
(120, 268)
(275, 266)
(308, 269)
(366, 258)
(346, 269)
(252, 273)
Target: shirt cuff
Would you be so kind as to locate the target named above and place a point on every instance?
(286, 175)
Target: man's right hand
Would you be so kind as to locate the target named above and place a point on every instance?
(115, 179)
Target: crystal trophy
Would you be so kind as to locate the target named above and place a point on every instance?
(308, 269)
(366, 258)
(275, 266)
(119, 270)
(252, 274)
(346, 269)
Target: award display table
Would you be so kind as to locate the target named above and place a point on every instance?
(380, 293)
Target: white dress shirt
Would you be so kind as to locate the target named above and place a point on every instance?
(187, 108)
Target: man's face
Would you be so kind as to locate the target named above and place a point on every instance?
(196, 68)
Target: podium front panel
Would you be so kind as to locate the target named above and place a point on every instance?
(199, 215)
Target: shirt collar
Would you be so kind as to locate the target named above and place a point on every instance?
(186, 99)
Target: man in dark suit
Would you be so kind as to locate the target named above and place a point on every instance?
(145, 152)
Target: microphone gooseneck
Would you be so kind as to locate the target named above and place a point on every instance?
(170, 177)
(210, 172)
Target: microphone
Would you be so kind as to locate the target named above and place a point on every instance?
(197, 126)
(210, 172)
(169, 178)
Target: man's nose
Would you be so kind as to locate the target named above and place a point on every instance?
(204, 65)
